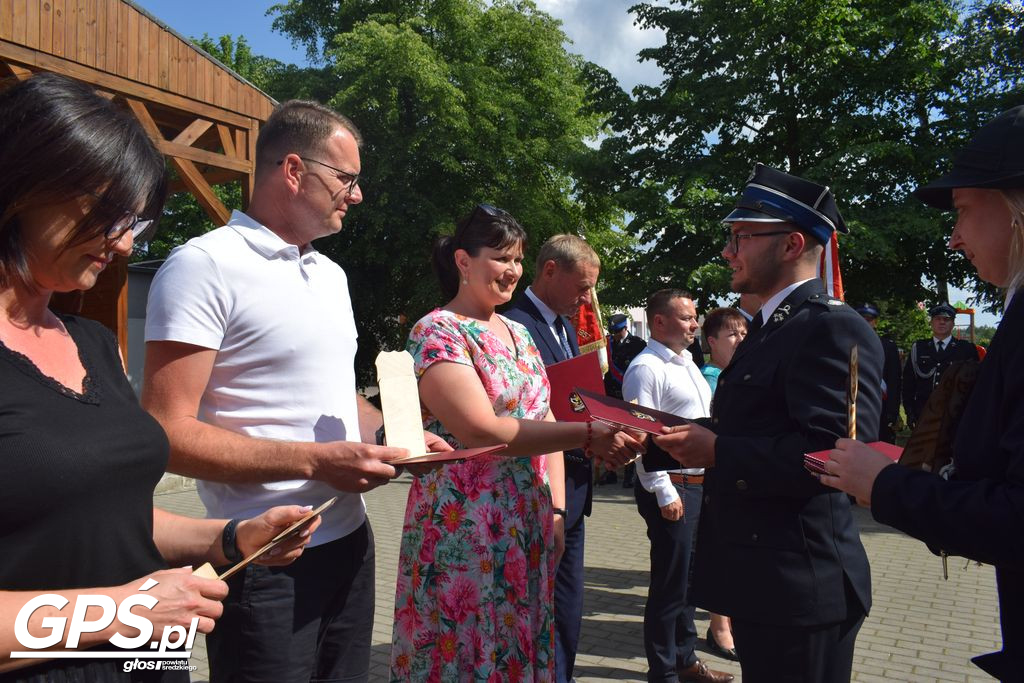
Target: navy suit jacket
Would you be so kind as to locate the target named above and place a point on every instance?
(776, 546)
(578, 469)
(980, 512)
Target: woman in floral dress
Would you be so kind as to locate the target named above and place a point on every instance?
(477, 564)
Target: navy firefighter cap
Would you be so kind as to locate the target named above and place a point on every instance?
(867, 309)
(942, 309)
(772, 196)
(617, 322)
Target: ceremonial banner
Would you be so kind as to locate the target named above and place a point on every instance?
(828, 269)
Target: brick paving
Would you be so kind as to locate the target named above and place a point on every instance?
(920, 629)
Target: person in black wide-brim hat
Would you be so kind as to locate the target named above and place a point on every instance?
(979, 512)
(779, 552)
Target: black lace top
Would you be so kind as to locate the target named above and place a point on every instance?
(77, 473)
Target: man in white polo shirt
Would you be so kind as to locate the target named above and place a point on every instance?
(249, 368)
(665, 377)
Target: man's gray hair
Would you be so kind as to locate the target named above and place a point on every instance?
(567, 251)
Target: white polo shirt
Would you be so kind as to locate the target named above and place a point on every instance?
(662, 379)
(281, 322)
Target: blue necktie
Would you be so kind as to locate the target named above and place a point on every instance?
(563, 338)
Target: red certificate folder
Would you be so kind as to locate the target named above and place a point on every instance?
(583, 371)
(619, 413)
(815, 462)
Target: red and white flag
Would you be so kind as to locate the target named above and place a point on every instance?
(828, 269)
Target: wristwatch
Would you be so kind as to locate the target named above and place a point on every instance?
(229, 542)
(561, 512)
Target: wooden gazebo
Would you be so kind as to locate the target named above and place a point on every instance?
(200, 114)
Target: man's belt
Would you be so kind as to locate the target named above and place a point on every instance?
(693, 479)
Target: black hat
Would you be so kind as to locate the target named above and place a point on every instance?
(617, 322)
(867, 309)
(772, 196)
(942, 309)
(993, 159)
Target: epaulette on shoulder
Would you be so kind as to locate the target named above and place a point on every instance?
(827, 301)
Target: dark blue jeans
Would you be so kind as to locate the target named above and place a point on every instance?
(669, 632)
(309, 621)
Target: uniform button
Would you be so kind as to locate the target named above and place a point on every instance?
(741, 485)
(746, 377)
(707, 499)
(753, 537)
(721, 382)
(714, 420)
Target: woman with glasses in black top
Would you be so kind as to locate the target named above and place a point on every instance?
(80, 183)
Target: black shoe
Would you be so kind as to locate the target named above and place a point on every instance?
(722, 652)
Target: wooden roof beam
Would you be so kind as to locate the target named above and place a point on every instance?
(187, 170)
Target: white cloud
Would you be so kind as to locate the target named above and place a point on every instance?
(603, 31)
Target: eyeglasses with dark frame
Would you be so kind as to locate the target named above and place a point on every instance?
(733, 239)
(129, 221)
(340, 175)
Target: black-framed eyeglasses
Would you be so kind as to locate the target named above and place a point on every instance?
(128, 221)
(348, 180)
(732, 240)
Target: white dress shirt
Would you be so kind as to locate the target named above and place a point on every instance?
(662, 379)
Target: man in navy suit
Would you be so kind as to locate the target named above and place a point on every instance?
(566, 271)
(778, 551)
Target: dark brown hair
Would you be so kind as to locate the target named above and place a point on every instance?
(486, 226)
(717, 319)
(657, 303)
(62, 140)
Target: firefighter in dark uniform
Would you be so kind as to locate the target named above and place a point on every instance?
(929, 358)
(779, 552)
(891, 378)
(623, 347)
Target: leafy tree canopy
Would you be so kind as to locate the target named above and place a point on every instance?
(867, 96)
(459, 102)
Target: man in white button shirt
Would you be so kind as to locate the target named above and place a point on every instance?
(665, 377)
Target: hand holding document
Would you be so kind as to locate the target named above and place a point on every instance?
(207, 571)
(400, 404)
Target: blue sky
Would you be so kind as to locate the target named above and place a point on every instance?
(600, 30)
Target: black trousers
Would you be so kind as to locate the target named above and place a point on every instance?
(770, 653)
(309, 621)
(569, 575)
(669, 632)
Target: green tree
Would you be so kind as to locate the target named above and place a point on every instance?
(459, 102)
(867, 96)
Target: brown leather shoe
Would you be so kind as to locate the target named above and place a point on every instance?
(700, 673)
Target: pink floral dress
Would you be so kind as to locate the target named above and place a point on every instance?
(475, 571)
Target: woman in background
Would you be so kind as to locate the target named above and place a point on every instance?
(724, 329)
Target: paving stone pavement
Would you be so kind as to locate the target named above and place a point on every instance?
(921, 628)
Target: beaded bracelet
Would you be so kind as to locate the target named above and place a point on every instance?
(590, 435)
